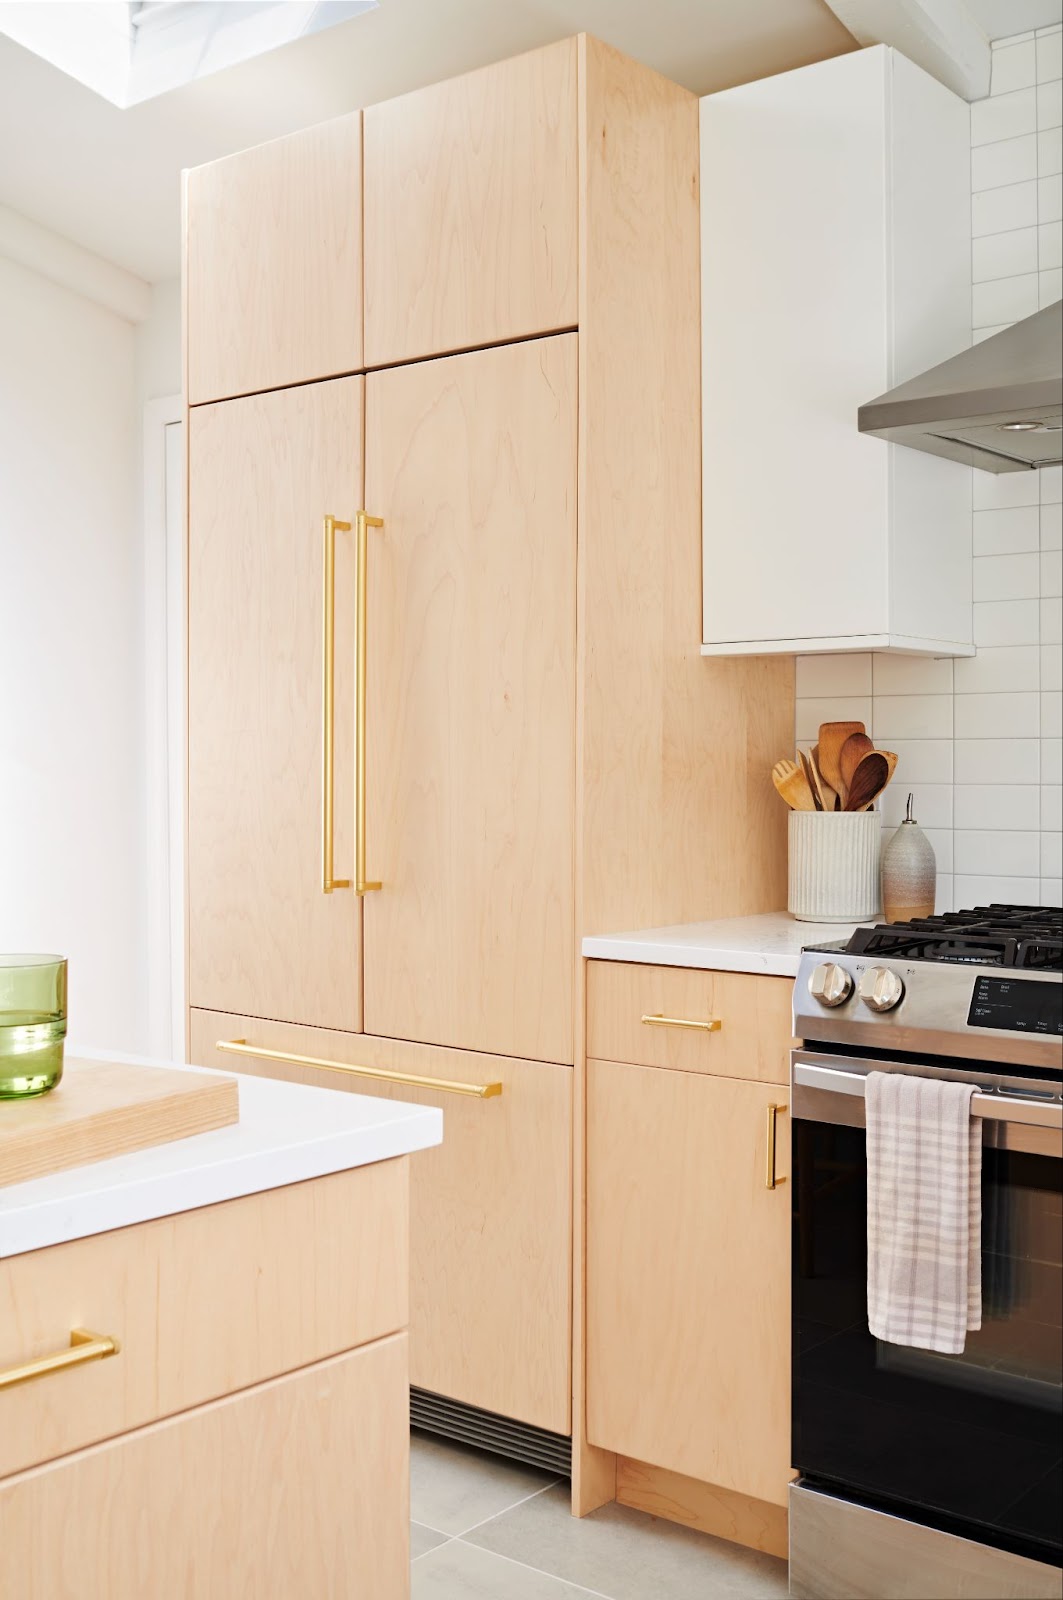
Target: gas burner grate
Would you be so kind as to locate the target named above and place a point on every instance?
(1028, 937)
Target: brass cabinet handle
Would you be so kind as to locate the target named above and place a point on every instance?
(770, 1179)
(84, 1346)
(478, 1091)
(328, 703)
(711, 1025)
(364, 522)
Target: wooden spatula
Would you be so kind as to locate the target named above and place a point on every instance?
(832, 735)
(792, 784)
(853, 751)
(870, 778)
(828, 797)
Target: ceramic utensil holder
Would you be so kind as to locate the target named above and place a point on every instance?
(834, 865)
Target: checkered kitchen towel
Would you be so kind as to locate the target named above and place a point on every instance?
(924, 1211)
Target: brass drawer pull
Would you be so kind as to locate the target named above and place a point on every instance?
(478, 1091)
(84, 1346)
(331, 526)
(771, 1181)
(712, 1025)
(364, 522)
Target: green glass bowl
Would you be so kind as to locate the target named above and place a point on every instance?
(32, 1024)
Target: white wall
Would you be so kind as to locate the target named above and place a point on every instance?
(71, 735)
(979, 740)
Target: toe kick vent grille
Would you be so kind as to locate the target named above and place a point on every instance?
(518, 1441)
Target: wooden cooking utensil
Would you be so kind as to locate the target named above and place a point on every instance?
(810, 778)
(792, 784)
(853, 751)
(828, 797)
(832, 735)
(869, 780)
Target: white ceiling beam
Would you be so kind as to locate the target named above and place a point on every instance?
(63, 262)
(941, 36)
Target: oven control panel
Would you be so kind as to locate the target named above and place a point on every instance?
(1020, 1005)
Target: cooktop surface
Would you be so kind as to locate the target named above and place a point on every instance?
(1025, 937)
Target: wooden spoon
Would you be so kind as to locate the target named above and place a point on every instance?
(832, 735)
(792, 784)
(853, 751)
(826, 792)
(811, 778)
(869, 779)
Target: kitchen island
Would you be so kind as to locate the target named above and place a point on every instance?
(203, 1360)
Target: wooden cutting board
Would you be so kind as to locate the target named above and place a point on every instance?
(107, 1108)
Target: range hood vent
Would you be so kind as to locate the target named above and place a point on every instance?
(998, 406)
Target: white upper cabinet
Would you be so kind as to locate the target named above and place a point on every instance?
(835, 206)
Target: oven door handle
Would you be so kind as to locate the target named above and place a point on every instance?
(824, 1093)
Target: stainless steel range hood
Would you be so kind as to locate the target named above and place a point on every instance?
(998, 406)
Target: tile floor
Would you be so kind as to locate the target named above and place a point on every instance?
(484, 1529)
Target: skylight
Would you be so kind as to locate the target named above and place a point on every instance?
(132, 52)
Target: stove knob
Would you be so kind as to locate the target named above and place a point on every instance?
(880, 989)
(830, 984)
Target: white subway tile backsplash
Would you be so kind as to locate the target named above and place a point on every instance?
(1009, 530)
(1011, 161)
(1001, 210)
(1049, 482)
(1049, 245)
(945, 896)
(1049, 287)
(995, 850)
(1005, 622)
(997, 805)
(1007, 40)
(922, 761)
(1005, 255)
(1051, 892)
(1051, 855)
(1051, 621)
(932, 805)
(910, 716)
(834, 674)
(996, 716)
(1052, 760)
(997, 760)
(1049, 105)
(1005, 300)
(978, 334)
(1004, 116)
(1051, 724)
(984, 891)
(1051, 574)
(994, 491)
(1007, 669)
(1014, 67)
(811, 712)
(911, 674)
(1051, 520)
(1049, 199)
(1049, 57)
(1051, 806)
(1049, 152)
(1051, 666)
(1006, 577)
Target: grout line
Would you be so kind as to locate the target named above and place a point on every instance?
(540, 1571)
(442, 1532)
(448, 1538)
(521, 1502)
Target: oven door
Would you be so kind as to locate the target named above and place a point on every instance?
(972, 1443)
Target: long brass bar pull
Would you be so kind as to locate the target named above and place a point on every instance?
(84, 1347)
(771, 1181)
(365, 522)
(710, 1025)
(328, 704)
(477, 1091)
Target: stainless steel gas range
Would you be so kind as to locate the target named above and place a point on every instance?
(920, 1474)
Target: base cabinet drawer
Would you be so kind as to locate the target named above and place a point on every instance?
(200, 1304)
(688, 1279)
(490, 1208)
(736, 1024)
(299, 1487)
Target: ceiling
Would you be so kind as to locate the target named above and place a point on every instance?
(110, 179)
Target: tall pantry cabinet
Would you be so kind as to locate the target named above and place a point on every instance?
(447, 711)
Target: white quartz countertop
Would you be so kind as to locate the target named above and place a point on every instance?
(770, 943)
(287, 1132)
